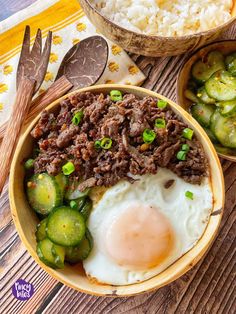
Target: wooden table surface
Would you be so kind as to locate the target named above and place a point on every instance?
(209, 287)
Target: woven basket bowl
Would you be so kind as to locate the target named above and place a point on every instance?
(25, 219)
(153, 46)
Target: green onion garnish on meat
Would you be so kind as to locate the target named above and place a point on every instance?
(185, 147)
(97, 144)
(181, 155)
(160, 123)
(106, 143)
(148, 136)
(189, 195)
(77, 117)
(73, 204)
(187, 133)
(29, 164)
(116, 95)
(68, 168)
(161, 104)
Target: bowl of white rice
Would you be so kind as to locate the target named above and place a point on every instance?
(160, 27)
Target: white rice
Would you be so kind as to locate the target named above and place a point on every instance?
(166, 17)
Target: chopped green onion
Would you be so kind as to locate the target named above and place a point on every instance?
(160, 123)
(77, 117)
(97, 144)
(148, 136)
(116, 95)
(68, 168)
(187, 133)
(185, 147)
(106, 143)
(161, 104)
(181, 155)
(29, 164)
(73, 204)
(189, 194)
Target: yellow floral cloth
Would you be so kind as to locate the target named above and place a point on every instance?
(69, 25)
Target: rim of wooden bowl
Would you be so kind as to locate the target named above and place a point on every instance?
(154, 37)
(226, 46)
(174, 271)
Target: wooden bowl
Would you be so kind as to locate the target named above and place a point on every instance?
(226, 47)
(154, 46)
(26, 220)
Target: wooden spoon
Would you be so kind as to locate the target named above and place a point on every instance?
(85, 62)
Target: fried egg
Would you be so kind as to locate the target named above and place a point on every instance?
(140, 229)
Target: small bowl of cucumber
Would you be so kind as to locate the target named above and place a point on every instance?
(206, 88)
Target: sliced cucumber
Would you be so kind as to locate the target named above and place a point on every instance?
(204, 97)
(62, 182)
(202, 113)
(51, 254)
(191, 96)
(41, 230)
(85, 210)
(203, 69)
(227, 108)
(192, 85)
(59, 253)
(227, 78)
(221, 86)
(225, 150)
(211, 135)
(43, 193)
(65, 226)
(231, 63)
(80, 252)
(73, 192)
(224, 129)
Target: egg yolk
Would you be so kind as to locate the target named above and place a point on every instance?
(140, 237)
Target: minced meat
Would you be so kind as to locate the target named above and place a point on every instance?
(123, 122)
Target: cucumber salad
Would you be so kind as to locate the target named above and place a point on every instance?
(62, 234)
(212, 90)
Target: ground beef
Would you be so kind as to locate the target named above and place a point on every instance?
(169, 183)
(60, 141)
(66, 136)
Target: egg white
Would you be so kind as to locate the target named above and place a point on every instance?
(187, 217)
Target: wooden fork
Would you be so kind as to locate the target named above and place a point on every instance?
(30, 74)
